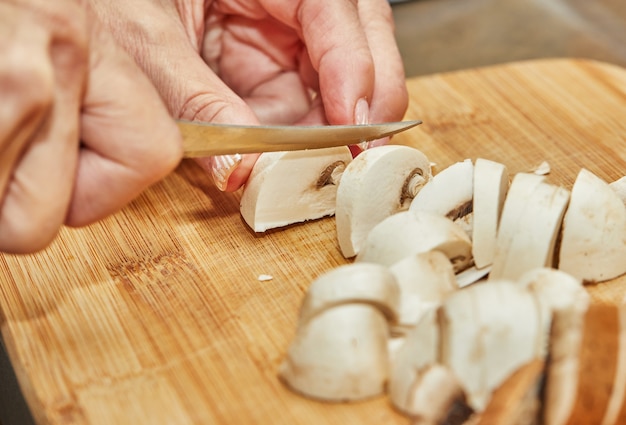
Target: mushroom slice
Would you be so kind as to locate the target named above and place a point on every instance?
(619, 186)
(340, 355)
(520, 190)
(292, 187)
(425, 279)
(419, 386)
(616, 408)
(378, 183)
(448, 193)
(555, 291)
(491, 183)
(517, 400)
(488, 331)
(340, 351)
(583, 367)
(529, 227)
(352, 283)
(472, 275)
(411, 232)
(593, 244)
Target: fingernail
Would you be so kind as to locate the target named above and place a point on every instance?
(222, 166)
(362, 112)
(361, 116)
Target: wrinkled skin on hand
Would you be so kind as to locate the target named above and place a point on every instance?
(82, 130)
(265, 61)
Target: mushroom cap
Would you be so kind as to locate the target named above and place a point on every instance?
(292, 187)
(364, 283)
(425, 279)
(375, 185)
(489, 330)
(411, 232)
(491, 183)
(448, 192)
(340, 355)
(529, 227)
(593, 243)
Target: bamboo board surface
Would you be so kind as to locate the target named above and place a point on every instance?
(156, 315)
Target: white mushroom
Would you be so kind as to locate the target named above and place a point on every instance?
(424, 279)
(340, 350)
(491, 183)
(529, 227)
(472, 275)
(292, 187)
(616, 407)
(488, 331)
(518, 400)
(448, 193)
(593, 245)
(340, 355)
(365, 283)
(586, 366)
(378, 183)
(619, 186)
(410, 232)
(555, 291)
(419, 385)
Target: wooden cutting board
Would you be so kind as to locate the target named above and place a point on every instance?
(157, 316)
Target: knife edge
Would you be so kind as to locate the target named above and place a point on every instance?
(207, 139)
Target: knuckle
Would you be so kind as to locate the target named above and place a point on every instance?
(27, 79)
(24, 236)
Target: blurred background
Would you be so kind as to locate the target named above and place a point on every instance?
(446, 35)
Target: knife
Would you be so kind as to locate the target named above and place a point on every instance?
(208, 139)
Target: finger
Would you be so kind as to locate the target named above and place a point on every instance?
(190, 88)
(389, 101)
(38, 193)
(129, 139)
(26, 87)
(338, 49)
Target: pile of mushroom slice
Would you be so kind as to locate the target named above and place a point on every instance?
(459, 281)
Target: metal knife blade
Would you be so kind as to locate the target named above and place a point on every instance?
(208, 139)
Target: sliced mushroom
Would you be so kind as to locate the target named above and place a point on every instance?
(518, 400)
(411, 232)
(484, 338)
(584, 359)
(448, 193)
(378, 183)
(424, 279)
(593, 245)
(619, 186)
(292, 187)
(616, 407)
(365, 283)
(472, 275)
(419, 385)
(340, 350)
(529, 227)
(555, 291)
(491, 183)
(340, 355)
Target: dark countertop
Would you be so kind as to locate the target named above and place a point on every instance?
(445, 35)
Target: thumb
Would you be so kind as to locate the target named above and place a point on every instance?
(129, 140)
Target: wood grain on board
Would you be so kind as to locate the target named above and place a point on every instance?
(156, 315)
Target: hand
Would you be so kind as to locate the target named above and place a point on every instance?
(262, 61)
(63, 82)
